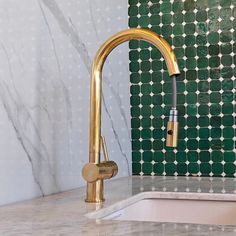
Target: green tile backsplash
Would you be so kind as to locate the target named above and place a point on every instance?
(203, 37)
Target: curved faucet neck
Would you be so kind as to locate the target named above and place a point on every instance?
(137, 34)
(96, 81)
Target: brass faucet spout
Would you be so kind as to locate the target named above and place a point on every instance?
(95, 188)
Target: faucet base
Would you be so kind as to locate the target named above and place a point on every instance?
(95, 192)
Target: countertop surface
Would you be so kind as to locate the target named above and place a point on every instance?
(64, 213)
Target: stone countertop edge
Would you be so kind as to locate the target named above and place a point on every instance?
(66, 213)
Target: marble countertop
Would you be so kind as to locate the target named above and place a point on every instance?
(64, 213)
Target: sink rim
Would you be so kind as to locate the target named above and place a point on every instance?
(103, 212)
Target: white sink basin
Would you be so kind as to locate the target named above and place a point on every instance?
(195, 208)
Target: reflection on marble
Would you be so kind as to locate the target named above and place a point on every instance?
(64, 213)
(46, 50)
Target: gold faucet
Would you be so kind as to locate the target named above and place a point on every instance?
(96, 171)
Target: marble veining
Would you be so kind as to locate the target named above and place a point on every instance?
(46, 51)
(64, 213)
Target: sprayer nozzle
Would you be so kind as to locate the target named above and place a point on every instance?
(172, 129)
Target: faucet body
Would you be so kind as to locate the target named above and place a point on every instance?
(96, 171)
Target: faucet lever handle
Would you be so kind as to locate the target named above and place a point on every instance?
(104, 148)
